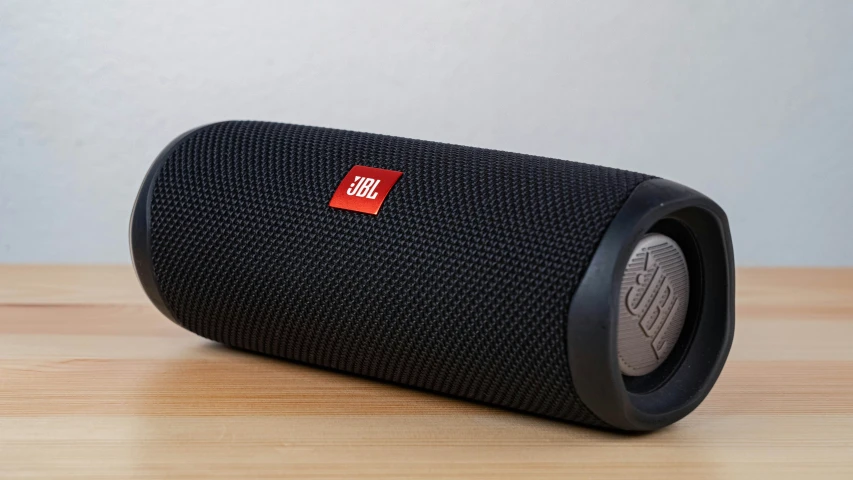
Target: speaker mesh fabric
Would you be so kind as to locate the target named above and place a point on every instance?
(460, 285)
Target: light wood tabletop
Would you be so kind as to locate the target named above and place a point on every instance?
(95, 383)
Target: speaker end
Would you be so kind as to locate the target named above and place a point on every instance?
(139, 231)
(653, 392)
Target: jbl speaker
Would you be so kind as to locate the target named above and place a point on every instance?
(571, 291)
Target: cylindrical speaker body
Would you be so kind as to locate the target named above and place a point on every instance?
(486, 275)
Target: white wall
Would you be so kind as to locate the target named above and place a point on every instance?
(750, 102)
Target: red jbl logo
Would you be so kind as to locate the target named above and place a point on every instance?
(364, 189)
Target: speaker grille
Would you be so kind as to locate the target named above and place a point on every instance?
(460, 285)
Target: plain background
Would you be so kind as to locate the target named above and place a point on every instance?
(750, 102)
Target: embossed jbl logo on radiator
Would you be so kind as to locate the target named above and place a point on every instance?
(652, 301)
(364, 189)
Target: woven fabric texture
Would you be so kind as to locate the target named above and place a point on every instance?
(461, 284)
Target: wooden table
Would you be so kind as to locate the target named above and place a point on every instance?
(95, 383)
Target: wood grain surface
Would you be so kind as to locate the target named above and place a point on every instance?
(95, 383)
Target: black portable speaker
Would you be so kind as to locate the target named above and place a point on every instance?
(576, 292)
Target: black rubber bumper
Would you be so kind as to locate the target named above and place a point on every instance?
(680, 384)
